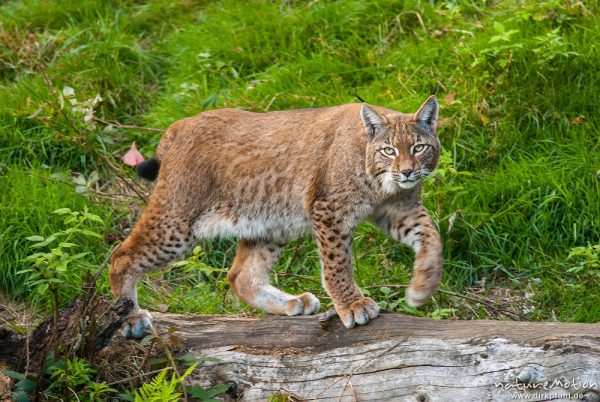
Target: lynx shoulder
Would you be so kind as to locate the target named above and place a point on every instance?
(268, 178)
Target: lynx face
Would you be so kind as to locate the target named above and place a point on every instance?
(402, 149)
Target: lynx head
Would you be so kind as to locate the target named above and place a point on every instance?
(401, 149)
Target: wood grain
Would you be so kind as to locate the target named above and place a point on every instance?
(395, 357)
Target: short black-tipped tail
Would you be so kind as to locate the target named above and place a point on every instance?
(148, 169)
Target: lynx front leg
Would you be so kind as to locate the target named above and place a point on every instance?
(338, 278)
(249, 279)
(415, 228)
(156, 239)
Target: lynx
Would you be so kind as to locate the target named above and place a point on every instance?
(267, 178)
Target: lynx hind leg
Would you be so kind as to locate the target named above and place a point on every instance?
(249, 279)
(156, 239)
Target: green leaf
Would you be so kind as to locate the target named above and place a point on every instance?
(25, 385)
(90, 233)
(78, 256)
(33, 256)
(62, 211)
(190, 359)
(93, 217)
(69, 219)
(14, 375)
(42, 288)
(158, 361)
(208, 270)
(206, 394)
(45, 242)
(498, 27)
(385, 290)
(57, 252)
(35, 238)
(210, 101)
(20, 396)
(218, 390)
(127, 397)
(61, 267)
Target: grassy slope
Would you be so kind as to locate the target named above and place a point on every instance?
(519, 162)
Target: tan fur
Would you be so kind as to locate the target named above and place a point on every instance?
(270, 177)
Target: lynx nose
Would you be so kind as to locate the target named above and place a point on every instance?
(406, 172)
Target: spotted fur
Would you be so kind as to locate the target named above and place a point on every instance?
(268, 178)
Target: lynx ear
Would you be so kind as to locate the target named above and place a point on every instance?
(427, 115)
(372, 120)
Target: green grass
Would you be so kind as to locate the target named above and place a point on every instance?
(519, 93)
(27, 200)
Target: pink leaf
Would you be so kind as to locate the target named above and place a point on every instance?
(133, 157)
(450, 97)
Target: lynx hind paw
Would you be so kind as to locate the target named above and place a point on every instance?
(415, 298)
(360, 312)
(137, 325)
(305, 304)
(311, 303)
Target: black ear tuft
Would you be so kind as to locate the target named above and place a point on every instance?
(148, 169)
(427, 114)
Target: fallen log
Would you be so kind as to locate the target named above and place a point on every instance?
(395, 357)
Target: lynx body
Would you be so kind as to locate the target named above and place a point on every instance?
(268, 178)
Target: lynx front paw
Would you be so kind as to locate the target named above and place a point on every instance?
(137, 325)
(305, 304)
(359, 312)
(415, 298)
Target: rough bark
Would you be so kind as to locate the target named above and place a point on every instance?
(83, 328)
(395, 357)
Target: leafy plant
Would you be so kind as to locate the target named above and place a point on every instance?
(447, 181)
(161, 389)
(442, 313)
(502, 35)
(194, 263)
(550, 46)
(588, 258)
(501, 46)
(24, 386)
(75, 376)
(59, 263)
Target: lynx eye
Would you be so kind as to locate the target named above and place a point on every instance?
(418, 148)
(389, 151)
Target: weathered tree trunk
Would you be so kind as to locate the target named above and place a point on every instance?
(395, 357)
